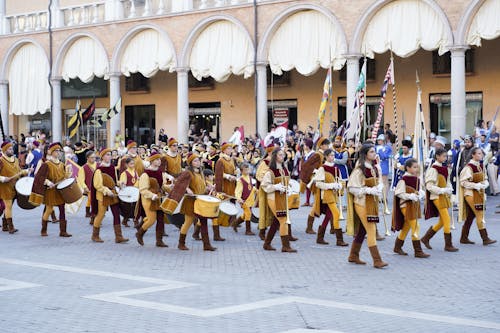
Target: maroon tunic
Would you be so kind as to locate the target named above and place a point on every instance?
(89, 173)
(131, 179)
(247, 188)
(397, 216)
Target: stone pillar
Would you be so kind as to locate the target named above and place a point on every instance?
(458, 108)
(114, 95)
(57, 15)
(352, 78)
(56, 111)
(113, 10)
(182, 5)
(3, 21)
(182, 104)
(4, 105)
(262, 99)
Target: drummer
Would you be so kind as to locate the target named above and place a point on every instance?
(85, 175)
(245, 194)
(132, 153)
(10, 171)
(172, 160)
(265, 218)
(51, 172)
(129, 177)
(209, 182)
(104, 196)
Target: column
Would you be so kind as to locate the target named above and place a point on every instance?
(458, 108)
(182, 5)
(4, 105)
(182, 104)
(56, 111)
(262, 99)
(352, 78)
(3, 21)
(57, 15)
(114, 95)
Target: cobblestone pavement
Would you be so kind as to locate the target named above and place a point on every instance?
(54, 284)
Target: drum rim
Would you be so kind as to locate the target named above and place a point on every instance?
(69, 181)
(208, 198)
(229, 205)
(29, 179)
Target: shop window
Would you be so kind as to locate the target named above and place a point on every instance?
(75, 88)
(281, 112)
(441, 65)
(206, 83)
(370, 70)
(275, 80)
(204, 119)
(136, 83)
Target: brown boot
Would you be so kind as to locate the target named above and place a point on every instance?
(44, 228)
(310, 222)
(92, 218)
(206, 242)
(464, 237)
(320, 239)
(485, 238)
(196, 232)
(87, 212)
(448, 245)
(332, 228)
(125, 222)
(290, 236)
(354, 255)
(182, 243)
(285, 245)
(398, 247)
(418, 250)
(217, 236)
(159, 239)
(118, 234)
(5, 226)
(248, 229)
(427, 237)
(262, 234)
(95, 235)
(10, 225)
(340, 238)
(136, 223)
(53, 217)
(139, 235)
(269, 238)
(62, 229)
(236, 223)
(377, 260)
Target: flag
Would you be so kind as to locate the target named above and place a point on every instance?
(89, 112)
(326, 95)
(421, 145)
(110, 113)
(75, 168)
(389, 78)
(242, 133)
(353, 125)
(75, 122)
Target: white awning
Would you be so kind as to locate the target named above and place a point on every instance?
(220, 50)
(486, 23)
(147, 53)
(84, 60)
(29, 90)
(307, 41)
(405, 26)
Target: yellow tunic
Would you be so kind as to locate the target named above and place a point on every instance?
(174, 164)
(229, 170)
(104, 193)
(123, 177)
(81, 177)
(9, 167)
(56, 174)
(197, 185)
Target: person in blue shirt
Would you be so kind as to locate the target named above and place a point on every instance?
(384, 153)
(400, 160)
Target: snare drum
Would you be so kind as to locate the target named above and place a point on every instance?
(206, 206)
(70, 191)
(255, 215)
(227, 214)
(23, 189)
(128, 199)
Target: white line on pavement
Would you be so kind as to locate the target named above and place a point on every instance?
(14, 285)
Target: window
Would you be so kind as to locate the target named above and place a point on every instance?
(206, 83)
(137, 82)
(75, 88)
(441, 65)
(370, 70)
(282, 80)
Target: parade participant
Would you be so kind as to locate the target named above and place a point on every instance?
(365, 186)
(212, 156)
(400, 160)
(265, 216)
(209, 182)
(225, 180)
(310, 161)
(104, 196)
(35, 155)
(406, 209)
(152, 184)
(384, 153)
(438, 200)
(327, 181)
(453, 160)
(81, 153)
(172, 160)
(473, 183)
(275, 183)
(129, 177)
(464, 155)
(132, 153)
(51, 172)
(245, 194)
(10, 171)
(85, 175)
(341, 158)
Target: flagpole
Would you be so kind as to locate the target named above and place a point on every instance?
(394, 102)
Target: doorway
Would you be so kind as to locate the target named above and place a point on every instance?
(140, 124)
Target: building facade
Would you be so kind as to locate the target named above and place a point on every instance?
(218, 64)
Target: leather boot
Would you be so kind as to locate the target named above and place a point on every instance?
(92, 218)
(377, 260)
(378, 236)
(290, 236)
(87, 211)
(159, 239)
(464, 237)
(310, 222)
(285, 245)
(95, 235)
(139, 235)
(182, 243)
(236, 223)
(427, 237)
(332, 228)
(118, 234)
(262, 234)
(354, 255)
(53, 217)
(448, 245)
(340, 238)
(398, 247)
(136, 223)
(125, 222)
(10, 225)
(485, 238)
(217, 236)
(418, 250)
(248, 229)
(5, 226)
(269, 238)
(44, 228)
(62, 229)
(206, 242)
(196, 232)
(320, 239)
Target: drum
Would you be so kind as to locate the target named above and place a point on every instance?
(128, 199)
(293, 186)
(227, 214)
(255, 215)
(206, 206)
(70, 191)
(23, 189)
